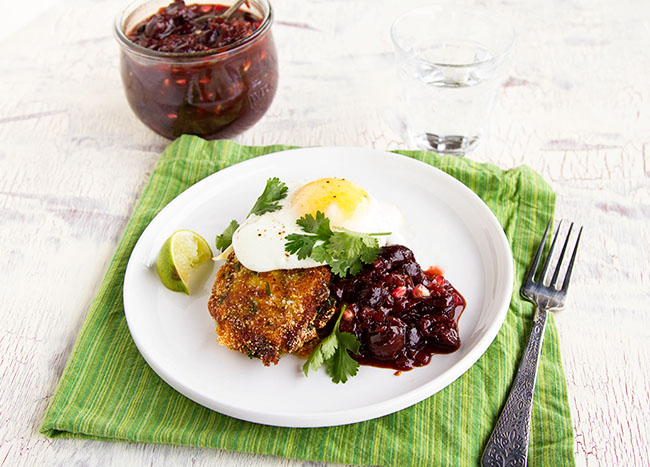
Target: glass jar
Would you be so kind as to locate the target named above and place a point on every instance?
(214, 94)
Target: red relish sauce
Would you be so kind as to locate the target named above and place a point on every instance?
(400, 314)
(219, 93)
(179, 28)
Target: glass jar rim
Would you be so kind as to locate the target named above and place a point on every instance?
(155, 54)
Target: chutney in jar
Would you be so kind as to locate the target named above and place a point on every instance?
(186, 70)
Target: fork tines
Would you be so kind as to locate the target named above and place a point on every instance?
(542, 279)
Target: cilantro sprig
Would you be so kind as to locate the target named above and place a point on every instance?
(344, 250)
(333, 352)
(225, 239)
(268, 201)
(274, 191)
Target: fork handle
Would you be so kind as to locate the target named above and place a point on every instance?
(508, 444)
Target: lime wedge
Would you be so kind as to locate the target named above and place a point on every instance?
(181, 254)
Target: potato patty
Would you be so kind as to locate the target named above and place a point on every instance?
(267, 314)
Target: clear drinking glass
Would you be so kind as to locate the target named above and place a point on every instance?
(449, 67)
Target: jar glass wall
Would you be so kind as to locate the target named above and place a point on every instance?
(217, 93)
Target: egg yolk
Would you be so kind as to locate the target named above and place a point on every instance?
(337, 198)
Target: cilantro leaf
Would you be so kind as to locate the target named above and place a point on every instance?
(274, 191)
(370, 254)
(341, 365)
(224, 240)
(319, 225)
(343, 267)
(345, 251)
(301, 245)
(321, 254)
(333, 352)
(344, 245)
(323, 352)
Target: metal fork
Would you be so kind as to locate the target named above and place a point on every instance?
(508, 444)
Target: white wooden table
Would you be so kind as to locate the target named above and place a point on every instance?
(74, 159)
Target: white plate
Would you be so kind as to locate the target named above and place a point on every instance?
(449, 226)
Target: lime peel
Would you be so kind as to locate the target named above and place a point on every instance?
(179, 256)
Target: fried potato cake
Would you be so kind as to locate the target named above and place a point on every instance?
(265, 315)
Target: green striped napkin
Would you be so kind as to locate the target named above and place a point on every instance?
(108, 392)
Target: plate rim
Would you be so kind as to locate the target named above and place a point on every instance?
(342, 416)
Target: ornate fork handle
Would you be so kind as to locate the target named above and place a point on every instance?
(508, 444)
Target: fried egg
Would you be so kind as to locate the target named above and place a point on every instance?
(259, 243)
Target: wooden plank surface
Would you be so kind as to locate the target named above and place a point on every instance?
(575, 106)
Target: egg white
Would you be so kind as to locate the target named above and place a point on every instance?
(259, 242)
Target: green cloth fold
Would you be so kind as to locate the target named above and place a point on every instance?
(108, 392)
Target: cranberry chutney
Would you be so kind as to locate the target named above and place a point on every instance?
(400, 314)
(186, 70)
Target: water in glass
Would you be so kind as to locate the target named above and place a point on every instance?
(446, 106)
